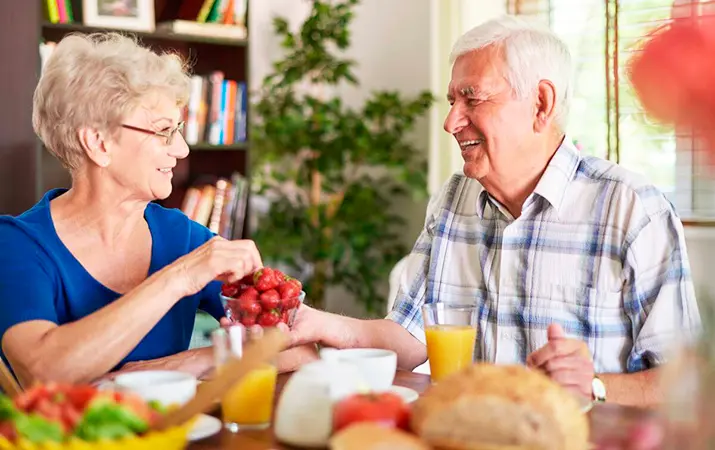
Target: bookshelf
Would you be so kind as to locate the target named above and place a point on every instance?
(27, 170)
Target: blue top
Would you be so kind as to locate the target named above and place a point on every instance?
(41, 280)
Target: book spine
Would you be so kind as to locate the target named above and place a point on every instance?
(62, 11)
(53, 13)
(205, 10)
(241, 113)
(68, 8)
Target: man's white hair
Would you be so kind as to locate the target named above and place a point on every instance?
(531, 54)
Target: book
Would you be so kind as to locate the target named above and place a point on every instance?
(210, 30)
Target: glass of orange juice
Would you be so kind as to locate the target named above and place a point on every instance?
(249, 403)
(451, 332)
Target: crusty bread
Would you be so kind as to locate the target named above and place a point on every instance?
(372, 436)
(488, 407)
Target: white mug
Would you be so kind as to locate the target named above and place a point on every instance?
(164, 386)
(377, 366)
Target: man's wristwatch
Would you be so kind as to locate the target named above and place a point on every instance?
(598, 390)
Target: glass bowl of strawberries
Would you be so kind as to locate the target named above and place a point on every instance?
(266, 297)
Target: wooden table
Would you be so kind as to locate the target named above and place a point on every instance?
(606, 420)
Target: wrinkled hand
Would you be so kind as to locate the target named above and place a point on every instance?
(566, 361)
(218, 259)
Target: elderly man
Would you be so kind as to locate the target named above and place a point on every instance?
(579, 266)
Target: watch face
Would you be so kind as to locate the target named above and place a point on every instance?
(599, 390)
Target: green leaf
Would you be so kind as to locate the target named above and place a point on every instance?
(7, 408)
(37, 429)
(107, 420)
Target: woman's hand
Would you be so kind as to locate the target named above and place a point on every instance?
(218, 259)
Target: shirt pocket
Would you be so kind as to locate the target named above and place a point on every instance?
(595, 316)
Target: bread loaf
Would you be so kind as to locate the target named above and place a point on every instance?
(489, 407)
(372, 436)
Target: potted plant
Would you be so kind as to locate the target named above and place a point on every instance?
(329, 172)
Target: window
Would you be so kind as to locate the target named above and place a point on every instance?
(606, 119)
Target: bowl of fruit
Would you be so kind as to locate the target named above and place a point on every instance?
(266, 297)
(81, 417)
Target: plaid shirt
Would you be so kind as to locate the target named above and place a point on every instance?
(595, 249)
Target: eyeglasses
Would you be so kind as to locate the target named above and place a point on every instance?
(168, 135)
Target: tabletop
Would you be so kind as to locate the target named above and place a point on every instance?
(606, 420)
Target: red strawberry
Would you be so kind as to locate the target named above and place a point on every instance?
(247, 280)
(269, 319)
(229, 290)
(295, 282)
(249, 293)
(270, 299)
(284, 316)
(249, 306)
(265, 279)
(279, 275)
(288, 290)
(248, 320)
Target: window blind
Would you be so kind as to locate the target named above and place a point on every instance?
(606, 118)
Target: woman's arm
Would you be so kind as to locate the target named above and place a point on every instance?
(86, 349)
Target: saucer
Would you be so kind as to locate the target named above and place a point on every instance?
(408, 395)
(204, 427)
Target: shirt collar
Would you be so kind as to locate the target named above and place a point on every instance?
(553, 183)
(558, 174)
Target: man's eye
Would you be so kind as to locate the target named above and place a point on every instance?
(166, 130)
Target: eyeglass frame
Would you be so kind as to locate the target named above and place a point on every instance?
(168, 135)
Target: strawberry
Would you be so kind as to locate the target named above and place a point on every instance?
(248, 294)
(285, 316)
(270, 299)
(249, 306)
(265, 279)
(295, 282)
(279, 275)
(269, 318)
(247, 280)
(248, 320)
(288, 290)
(229, 290)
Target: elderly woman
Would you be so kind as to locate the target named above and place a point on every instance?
(97, 277)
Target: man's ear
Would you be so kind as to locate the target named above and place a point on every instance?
(94, 145)
(545, 106)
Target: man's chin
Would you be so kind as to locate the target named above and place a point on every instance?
(475, 171)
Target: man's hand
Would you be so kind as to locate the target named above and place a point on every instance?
(566, 361)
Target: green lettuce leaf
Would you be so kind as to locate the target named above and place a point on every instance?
(7, 408)
(37, 429)
(108, 420)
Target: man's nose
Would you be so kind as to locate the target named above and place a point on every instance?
(456, 120)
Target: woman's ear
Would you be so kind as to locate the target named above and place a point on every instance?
(94, 145)
(545, 106)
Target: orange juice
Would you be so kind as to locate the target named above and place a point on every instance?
(449, 348)
(250, 402)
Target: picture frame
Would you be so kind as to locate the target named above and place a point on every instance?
(134, 15)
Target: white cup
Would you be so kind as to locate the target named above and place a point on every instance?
(376, 366)
(164, 386)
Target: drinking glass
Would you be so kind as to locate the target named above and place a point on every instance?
(451, 332)
(249, 403)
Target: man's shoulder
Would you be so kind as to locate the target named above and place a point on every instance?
(624, 185)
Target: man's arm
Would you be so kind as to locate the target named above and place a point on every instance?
(633, 389)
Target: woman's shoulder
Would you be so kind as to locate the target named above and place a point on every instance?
(31, 228)
(173, 224)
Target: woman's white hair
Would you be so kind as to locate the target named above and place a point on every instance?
(531, 54)
(95, 81)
